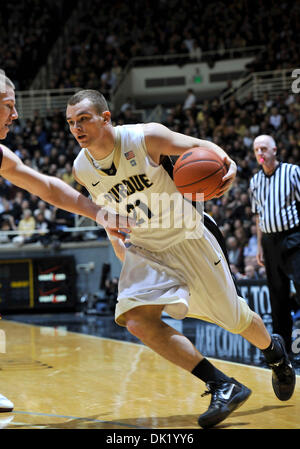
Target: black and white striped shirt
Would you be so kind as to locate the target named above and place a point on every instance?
(276, 198)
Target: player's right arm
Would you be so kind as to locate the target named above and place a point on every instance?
(160, 141)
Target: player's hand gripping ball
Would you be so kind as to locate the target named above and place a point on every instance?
(199, 170)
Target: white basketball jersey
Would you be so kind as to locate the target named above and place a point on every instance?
(136, 186)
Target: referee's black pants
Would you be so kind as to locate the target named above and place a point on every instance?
(282, 262)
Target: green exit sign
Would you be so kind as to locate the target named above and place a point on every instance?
(198, 79)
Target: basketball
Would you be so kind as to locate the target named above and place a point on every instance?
(199, 170)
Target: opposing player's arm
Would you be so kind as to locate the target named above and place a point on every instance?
(48, 188)
(160, 140)
(55, 191)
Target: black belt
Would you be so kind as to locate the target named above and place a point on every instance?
(282, 233)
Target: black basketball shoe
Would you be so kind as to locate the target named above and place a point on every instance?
(225, 398)
(283, 373)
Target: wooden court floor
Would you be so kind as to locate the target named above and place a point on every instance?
(64, 380)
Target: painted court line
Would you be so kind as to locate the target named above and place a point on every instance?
(78, 418)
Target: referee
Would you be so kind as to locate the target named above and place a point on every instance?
(275, 198)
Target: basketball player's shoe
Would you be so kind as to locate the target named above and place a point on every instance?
(225, 398)
(283, 373)
(5, 404)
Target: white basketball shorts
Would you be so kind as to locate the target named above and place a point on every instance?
(191, 278)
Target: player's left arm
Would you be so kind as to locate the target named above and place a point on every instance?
(160, 140)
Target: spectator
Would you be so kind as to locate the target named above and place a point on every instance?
(111, 292)
(234, 251)
(190, 100)
(247, 139)
(250, 273)
(250, 250)
(5, 191)
(44, 227)
(236, 273)
(67, 175)
(195, 52)
(262, 273)
(26, 227)
(43, 209)
(62, 218)
(275, 119)
(128, 104)
(5, 225)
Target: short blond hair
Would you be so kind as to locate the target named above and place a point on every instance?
(94, 96)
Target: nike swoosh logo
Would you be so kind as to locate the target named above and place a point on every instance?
(216, 263)
(227, 395)
(49, 270)
(94, 184)
(48, 292)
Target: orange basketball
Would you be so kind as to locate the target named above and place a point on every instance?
(199, 170)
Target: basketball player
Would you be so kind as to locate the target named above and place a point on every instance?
(167, 268)
(50, 189)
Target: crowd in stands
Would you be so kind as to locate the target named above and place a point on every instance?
(104, 38)
(28, 30)
(46, 145)
(108, 35)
